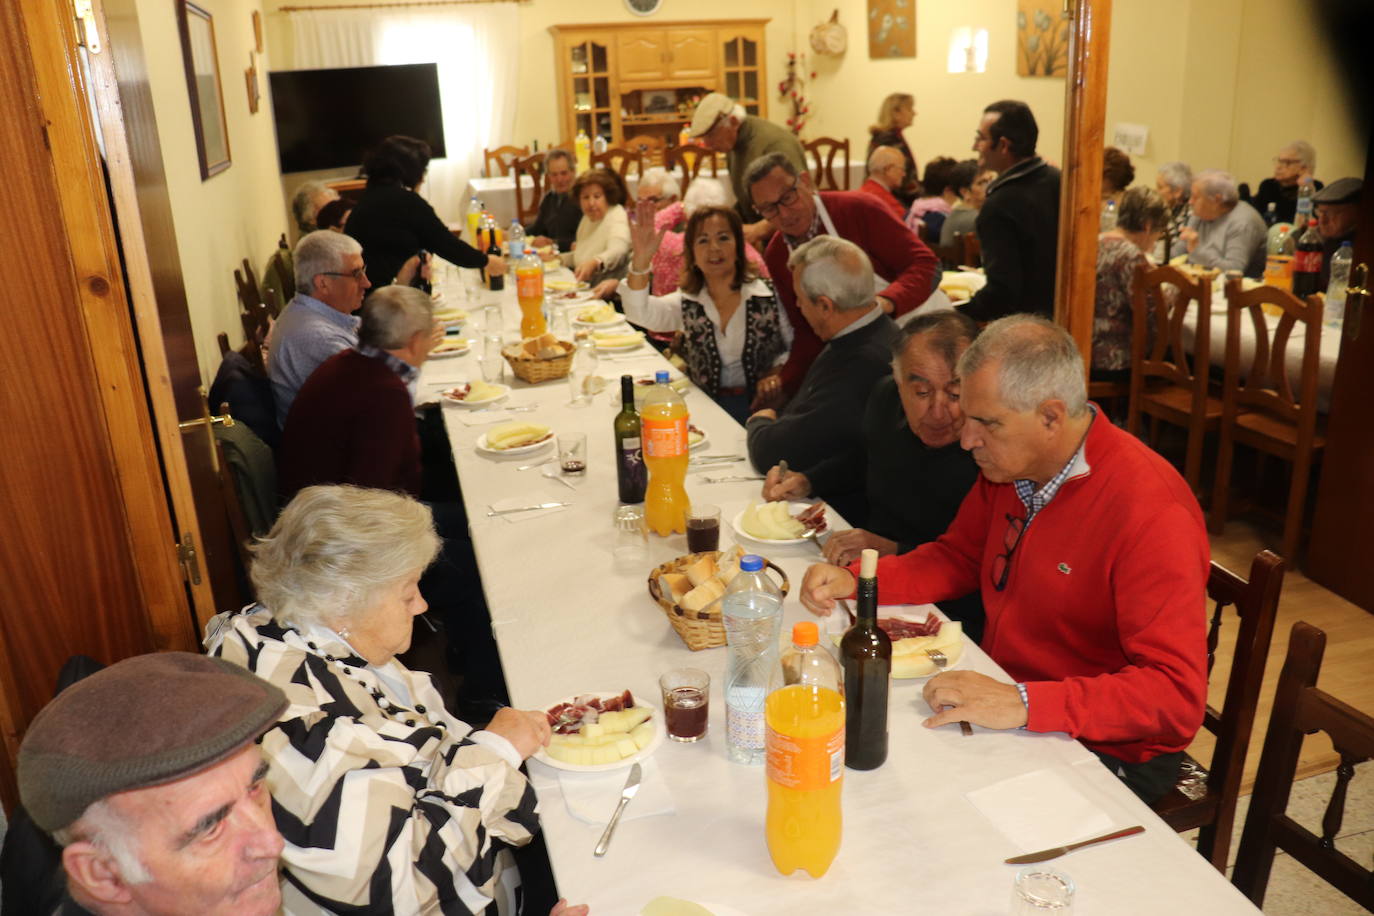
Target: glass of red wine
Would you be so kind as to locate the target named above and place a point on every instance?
(686, 702)
(703, 528)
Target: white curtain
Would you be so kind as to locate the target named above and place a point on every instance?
(476, 48)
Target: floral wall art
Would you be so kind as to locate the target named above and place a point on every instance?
(1042, 38)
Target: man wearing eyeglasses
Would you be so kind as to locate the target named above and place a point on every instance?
(1293, 165)
(903, 267)
(1091, 556)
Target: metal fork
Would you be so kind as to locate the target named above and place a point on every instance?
(941, 660)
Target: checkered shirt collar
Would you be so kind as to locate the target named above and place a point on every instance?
(1034, 500)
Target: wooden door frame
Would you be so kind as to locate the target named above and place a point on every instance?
(1080, 206)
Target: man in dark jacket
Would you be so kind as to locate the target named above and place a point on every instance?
(559, 214)
(1018, 226)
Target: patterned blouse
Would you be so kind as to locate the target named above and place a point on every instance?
(1117, 263)
(388, 804)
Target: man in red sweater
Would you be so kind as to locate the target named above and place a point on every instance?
(1090, 554)
(905, 268)
(353, 420)
(886, 170)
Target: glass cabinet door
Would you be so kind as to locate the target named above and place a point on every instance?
(589, 63)
(740, 67)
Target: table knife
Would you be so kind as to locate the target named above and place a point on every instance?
(627, 793)
(494, 512)
(1047, 854)
(733, 479)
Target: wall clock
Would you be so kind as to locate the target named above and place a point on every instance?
(643, 7)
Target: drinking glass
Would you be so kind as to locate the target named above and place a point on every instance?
(631, 545)
(686, 703)
(703, 528)
(558, 320)
(472, 284)
(572, 453)
(491, 318)
(1041, 891)
(584, 363)
(493, 363)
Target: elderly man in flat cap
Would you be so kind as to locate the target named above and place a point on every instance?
(1338, 210)
(723, 125)
(148, 774)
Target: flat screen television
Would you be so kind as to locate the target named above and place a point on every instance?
(328, 119)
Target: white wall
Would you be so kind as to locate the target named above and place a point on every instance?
(237, 213)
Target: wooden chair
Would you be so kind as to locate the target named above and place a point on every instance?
(498, 161)
(1300, 708)
(1206, 797)
(691, 160)
(1263, 411)
(973, 249)
(1167, 382)
(280, 274)
(820, 156)
(649, 147)
(527, 198)
(618, 159)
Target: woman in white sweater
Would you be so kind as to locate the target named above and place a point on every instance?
(735, 332)
(603, 236)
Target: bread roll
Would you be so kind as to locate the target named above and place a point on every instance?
(701, 570)
(675, 584)
(699, 598)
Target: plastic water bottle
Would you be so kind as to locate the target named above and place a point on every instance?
(1340, 279)
(1108, 218)
(474, 221)
(805, 748)
(752, 610)
(599, 145)
(582, 147)
(1271, 214)
(516, 238)
(1304, 211)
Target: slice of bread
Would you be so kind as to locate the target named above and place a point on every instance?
(701, 570)
(676, 585)
(699, 598)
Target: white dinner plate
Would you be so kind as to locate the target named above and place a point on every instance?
(700, 443)
(792, 507)
(626, 348)
(450, 347)
(611, 322)
(518, 450)
(451, 318)
(577, 297)
(505, 390)
(956, 664)
(660, 732)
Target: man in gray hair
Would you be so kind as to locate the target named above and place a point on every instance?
(1092, 559)
(353, 420)
(307, 201)
(1225, 232)
(1293, 165)
(835, 294)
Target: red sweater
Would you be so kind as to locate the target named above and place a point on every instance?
(351, 422)
(1104, 613)
(884, 196)
(897, 255)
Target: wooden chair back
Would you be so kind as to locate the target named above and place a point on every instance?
(223, 340)
(691, 160)
(821, 154)
(1260, 406)
(618, 159)
(973, 249)
(281, 272)
(649, 148)
(498, 161)
(1301, 708)
(1206, 798)
(527, 197)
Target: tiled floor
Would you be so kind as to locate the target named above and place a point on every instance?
(1295, 891)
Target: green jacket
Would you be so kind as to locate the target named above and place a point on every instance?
(758, 137)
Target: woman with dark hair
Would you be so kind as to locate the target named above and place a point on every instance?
(735, 331)
(939, 197)
(895, 115)
(392, 222)
(1121, 253)
(603, 235)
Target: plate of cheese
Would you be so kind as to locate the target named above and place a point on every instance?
(515, 438)
(596, 732)
(474, 394)
(617, 341)
(599, 315)
(450, 347)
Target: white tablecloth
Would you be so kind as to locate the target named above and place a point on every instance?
(568, 621)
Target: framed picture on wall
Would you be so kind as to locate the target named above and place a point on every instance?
(203, 83)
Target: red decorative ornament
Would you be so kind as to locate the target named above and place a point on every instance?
(790, 90)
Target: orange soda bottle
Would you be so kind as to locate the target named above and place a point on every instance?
(663, 423)
(804, 743)
(529, 292)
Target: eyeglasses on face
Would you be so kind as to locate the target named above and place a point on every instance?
(1001, 564)
(1280, 160)
(357, 275)
(788, 198)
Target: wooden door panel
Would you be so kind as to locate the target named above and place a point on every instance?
(691, 54)
(640, 56)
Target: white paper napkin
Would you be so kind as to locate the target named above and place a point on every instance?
(1040, 810)
(592, 797)
(483, 417)
(529, 499)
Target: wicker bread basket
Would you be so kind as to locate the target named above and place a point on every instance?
(534, 369)
(704, 629)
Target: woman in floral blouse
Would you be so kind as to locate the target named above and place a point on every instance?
(1121, 253)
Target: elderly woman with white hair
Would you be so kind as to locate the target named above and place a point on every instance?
(1174, 182)
(1225, 232)
(387, 803)
(1293, 166)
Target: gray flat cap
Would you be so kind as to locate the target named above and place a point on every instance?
(144, 721)
(1341, 191)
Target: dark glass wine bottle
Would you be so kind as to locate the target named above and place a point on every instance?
(629, 453)
(495, 282)
(866, 656)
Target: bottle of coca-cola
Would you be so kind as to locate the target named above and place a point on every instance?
(1307, 262)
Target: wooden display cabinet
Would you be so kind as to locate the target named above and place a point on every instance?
(625, 79)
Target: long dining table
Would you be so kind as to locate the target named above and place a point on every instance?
(926, 832)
